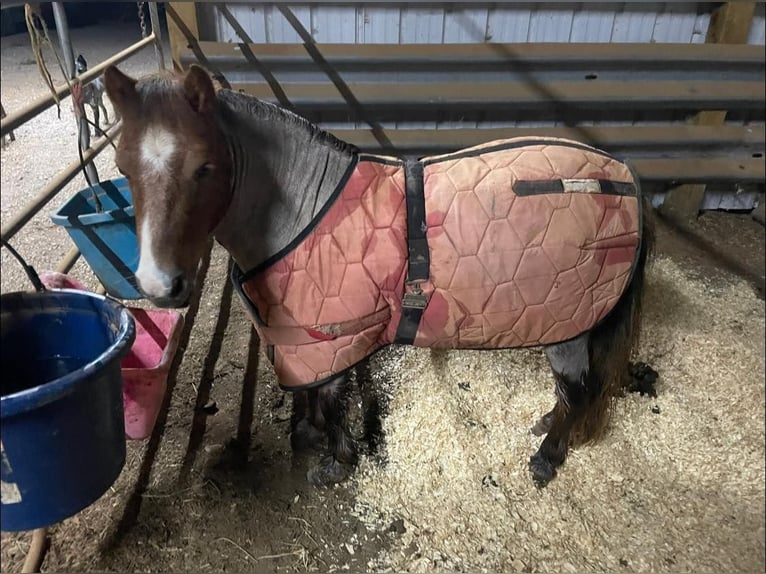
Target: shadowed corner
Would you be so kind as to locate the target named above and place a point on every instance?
(199, 422)
(133, 504)
(236, 452)
(717, 256)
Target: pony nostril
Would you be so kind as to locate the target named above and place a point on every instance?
(178, 286)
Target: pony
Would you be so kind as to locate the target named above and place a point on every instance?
(93, 95)
(264, 182)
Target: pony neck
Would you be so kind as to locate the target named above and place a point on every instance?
(284, 170)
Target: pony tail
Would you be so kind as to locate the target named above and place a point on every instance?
(614, 341)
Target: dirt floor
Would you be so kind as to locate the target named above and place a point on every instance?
(677, 485)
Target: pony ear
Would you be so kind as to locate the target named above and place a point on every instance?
(199, 90)
(121, 90)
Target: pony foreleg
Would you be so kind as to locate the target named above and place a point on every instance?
(332, 399)
(96, 121)
(307, 423)
(543, 424)
(103, 109)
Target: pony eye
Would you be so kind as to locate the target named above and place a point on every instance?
(203, 171)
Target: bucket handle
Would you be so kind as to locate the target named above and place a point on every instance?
(28, 269)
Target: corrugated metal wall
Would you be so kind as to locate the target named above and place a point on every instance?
(511, 22)
(503, 22)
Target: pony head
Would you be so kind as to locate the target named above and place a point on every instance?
(176, 160)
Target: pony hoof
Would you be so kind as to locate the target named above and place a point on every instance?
(328, 471)
(307, 437)
(643, 379)
(542, 470)
(543, 425)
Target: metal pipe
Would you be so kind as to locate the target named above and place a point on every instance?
(62, 28)
(13, 121)
(56, 185)
(154, 17)
(66, 264)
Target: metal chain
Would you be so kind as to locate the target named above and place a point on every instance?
(142, 18)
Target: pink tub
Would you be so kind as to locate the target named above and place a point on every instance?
(145, 367)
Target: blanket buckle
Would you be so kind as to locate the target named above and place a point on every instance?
(415, 299)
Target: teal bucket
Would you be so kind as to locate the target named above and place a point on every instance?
(107, 239)
(63, 433)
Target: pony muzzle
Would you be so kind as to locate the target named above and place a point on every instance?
(166, 290)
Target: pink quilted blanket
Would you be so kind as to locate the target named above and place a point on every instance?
(523, 242)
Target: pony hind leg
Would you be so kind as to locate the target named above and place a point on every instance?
(592, 370)
(332, 400)
(570, 358)
(576, 393)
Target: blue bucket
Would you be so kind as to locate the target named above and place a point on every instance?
(63, 430)
(107, 240)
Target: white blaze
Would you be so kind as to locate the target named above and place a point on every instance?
(156, 150)
(157, 147)
(153, 280)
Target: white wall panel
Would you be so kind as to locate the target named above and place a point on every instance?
(511, 22)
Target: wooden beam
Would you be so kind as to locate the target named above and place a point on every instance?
(729, 24)
(693, 94)
(699, 170)
(187, 12)
(670, 141)
(407, 56)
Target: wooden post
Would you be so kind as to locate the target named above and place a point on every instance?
(187, 12)
(729, 24)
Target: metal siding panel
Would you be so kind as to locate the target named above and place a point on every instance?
(378, 25)
(421, 26)
(279, 30)
(758, 28)
(224, 32)
(635, 23)
(592, 23)
(509, 25)
(465, 25)
(251, 18)
(701, 24)
(334, 24)
(550, 25)
(589, 22)
(675, 23)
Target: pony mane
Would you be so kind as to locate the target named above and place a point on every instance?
(240, 102)
(164, 84)
(157, 85)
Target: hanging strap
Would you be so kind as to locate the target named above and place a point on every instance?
(418, 265)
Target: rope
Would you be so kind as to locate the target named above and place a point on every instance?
(38, 40)
(74, 85)
(28, 269)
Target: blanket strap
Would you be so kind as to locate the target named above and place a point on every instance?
(418, 265)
